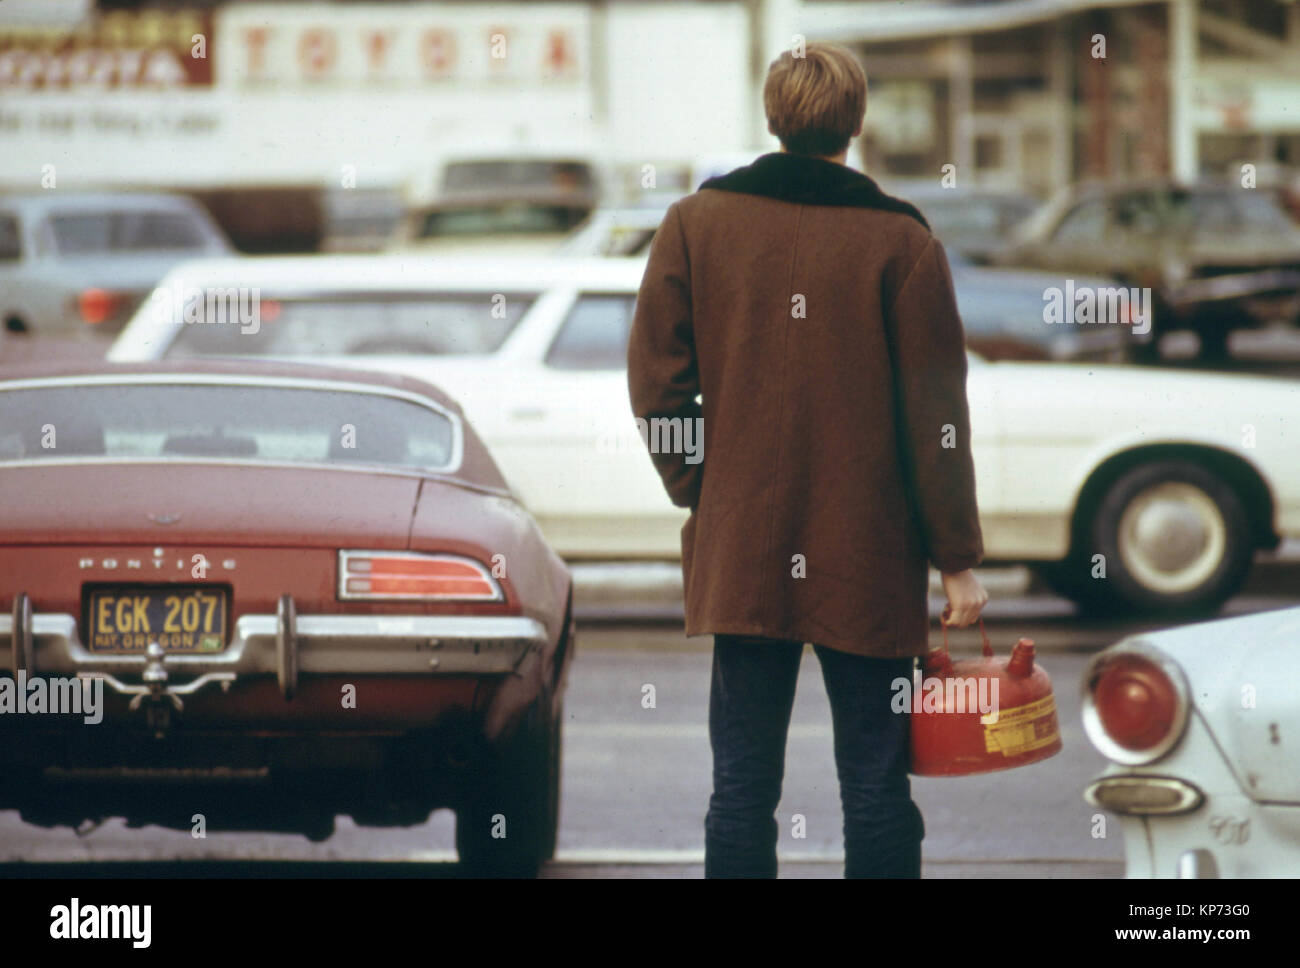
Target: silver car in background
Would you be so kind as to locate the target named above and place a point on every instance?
(79, 264)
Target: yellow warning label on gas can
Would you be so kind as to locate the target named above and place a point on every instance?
(1023, 729)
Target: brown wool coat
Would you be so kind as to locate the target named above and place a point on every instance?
(815, 318)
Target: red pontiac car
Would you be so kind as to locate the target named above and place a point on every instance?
(300, 591)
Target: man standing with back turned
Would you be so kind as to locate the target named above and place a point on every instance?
(814, 317)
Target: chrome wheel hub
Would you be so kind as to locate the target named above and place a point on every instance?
(1172, 537)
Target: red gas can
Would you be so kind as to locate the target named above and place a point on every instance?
(981, 715)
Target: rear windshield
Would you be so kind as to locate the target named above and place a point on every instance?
(503, 174)
(442, 324)
(78, 234)
(227, 421)
(506, 218)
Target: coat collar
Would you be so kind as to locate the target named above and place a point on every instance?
(806, 180)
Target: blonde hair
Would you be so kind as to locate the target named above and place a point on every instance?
(816, 102)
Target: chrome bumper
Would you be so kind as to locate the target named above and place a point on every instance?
(286, 645)
(1237, 285)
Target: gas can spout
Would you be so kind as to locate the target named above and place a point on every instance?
(1021, 663)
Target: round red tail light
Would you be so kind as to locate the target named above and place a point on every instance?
(1135, 704)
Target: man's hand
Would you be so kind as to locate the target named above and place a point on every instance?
(966, 598)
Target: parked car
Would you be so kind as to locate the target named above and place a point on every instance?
(306, 591)
(1216, 257)
(503, 205)
(1002, 311)
(973, 223)
(1175, 478)
(359, 219)
(714, 164)
(76, 263)
(1199, 725)
(623, 231)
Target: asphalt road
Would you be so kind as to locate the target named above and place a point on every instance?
(636, 785)
(636, 780)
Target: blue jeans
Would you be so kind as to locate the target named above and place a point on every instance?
(749, 716)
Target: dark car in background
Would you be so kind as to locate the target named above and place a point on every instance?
(77, 264)
(975, 224)
(1217, 257)
(1002, 312)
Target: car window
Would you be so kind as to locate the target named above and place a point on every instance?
(275, 423)
(1137, 213)
(517, 174)
(507, 217)
(90, 232)
(1210, 213)
(1086, 222)
(594, 335)
(343, 324)
(11, 248)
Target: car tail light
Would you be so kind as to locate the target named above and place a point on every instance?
(406, 576)
(1135, 705)
(96, 306)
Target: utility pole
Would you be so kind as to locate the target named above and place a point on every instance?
(772, 27)
(1184, 162)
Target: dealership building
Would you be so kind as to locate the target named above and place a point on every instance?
(293, 100)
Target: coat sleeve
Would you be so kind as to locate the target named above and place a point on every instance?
(662, 370)
(929, 357)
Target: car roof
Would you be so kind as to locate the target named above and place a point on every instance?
(474, 198)
(516, 154)
(931, 191)
(416, 272)
(104, 201)
(242, 367)
(1116, 186)
(647, 215)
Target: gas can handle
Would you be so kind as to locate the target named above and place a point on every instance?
(988, 647)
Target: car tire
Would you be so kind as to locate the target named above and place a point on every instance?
(1174, 539)
(507, 826)
(1213, 345)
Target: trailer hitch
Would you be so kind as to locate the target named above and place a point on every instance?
(155, 693)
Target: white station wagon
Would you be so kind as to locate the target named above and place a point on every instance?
(1124, 487)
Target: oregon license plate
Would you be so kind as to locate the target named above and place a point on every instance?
(127, 619)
